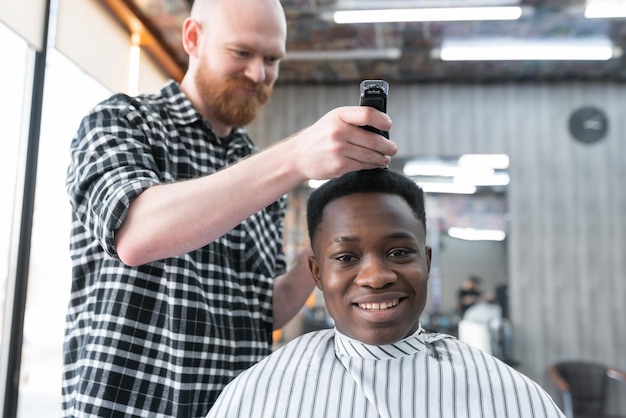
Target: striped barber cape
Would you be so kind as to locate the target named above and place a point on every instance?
(326, 374)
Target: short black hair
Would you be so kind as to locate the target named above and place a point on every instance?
(379, 180)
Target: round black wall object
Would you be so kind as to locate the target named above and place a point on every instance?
(588, 124)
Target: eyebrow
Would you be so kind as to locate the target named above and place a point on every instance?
(345, 239)
(246, 46)
(393, 235)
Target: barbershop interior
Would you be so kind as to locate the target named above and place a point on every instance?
(510, 114)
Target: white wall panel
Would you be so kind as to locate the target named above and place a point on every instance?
(91, 37)
(26, 18)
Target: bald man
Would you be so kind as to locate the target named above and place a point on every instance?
(179, 275)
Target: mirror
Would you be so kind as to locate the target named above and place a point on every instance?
(467, 228)
(467, 225)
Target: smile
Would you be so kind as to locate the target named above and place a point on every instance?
(379, 306)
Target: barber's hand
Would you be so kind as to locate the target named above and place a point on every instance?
(337, 144)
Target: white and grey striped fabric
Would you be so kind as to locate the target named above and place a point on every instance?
(326, 374)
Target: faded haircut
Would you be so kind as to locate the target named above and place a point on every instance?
(379, 180)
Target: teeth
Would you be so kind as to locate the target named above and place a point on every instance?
(379, 306)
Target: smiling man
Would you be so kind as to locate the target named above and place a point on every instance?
(371, 261)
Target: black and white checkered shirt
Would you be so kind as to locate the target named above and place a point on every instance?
(164, 338)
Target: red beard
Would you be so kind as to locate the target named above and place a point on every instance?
(225, 100)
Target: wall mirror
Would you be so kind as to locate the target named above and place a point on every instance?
(467, 221)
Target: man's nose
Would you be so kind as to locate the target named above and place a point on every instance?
(375, 273)
(255, 70)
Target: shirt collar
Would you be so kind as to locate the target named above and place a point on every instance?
(184, 112)
(418, 341)
(179, 106)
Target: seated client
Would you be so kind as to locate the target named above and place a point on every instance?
(368, 233)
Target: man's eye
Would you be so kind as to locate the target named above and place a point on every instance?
(242, 53)
(271, 60)
(398, 252)
(345, 258)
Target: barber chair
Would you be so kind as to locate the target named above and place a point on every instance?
(583, 387)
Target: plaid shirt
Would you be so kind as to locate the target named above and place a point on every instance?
(164, 338)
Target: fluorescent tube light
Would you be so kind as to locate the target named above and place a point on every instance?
(412, 4)
(495, 161)
(349, 54)
(417, 169)
(471, 234)
(589, 49)
(430, 169)
(436, 187)
(493, 179)
(133, 69)
(436, 14)
(314, 184)
(605, 10)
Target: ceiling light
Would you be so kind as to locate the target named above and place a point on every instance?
(605, 9)
(494, 179)
(495, 161)
(428, 14)
(575, 49)
(408, 4)
(436, 187)
(350, 54)
(471, 234)
(470, 166)
(429, 168)
(314, 184)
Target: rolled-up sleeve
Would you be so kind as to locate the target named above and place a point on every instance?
(111, 164)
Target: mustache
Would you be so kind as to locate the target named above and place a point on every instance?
(245, 83)
(263, 91)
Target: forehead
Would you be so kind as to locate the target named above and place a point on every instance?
(369, 210)
(259, 23)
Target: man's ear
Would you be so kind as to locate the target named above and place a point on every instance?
(315, 271)
(192, 31)
(429, 255)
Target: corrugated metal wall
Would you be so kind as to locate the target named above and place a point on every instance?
(567, 200)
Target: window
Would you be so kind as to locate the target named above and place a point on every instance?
(50, 270)
(69, 93)
(14, 122)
